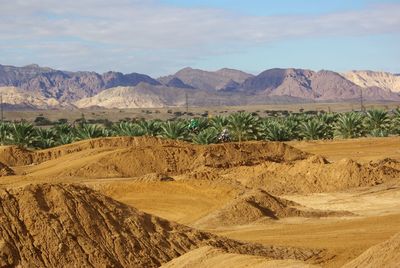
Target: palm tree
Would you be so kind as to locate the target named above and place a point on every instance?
(243, 126)
(46, 138)
(377, 122)
(274, 131)
(150, 128)
(62, 128)
(203, 123)
(312, 129)
(4, 133)
(396, 121)
(328, 120)
(206, 136)
(349, 125)
(174, 130)
(63, 139)
(219, 123)
(87, 131)
(127, 129)
(292, 125)
(22, 134)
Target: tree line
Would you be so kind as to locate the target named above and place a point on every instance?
(241, 126)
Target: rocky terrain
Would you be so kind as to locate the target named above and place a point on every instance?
(66, 86)
(307, 84)
(383, 80)
(38, 87)
(206, 80)
(15, 98)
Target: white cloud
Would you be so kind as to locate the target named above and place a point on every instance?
(93, 30)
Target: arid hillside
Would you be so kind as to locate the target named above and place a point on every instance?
(228, 87)
(384, 80)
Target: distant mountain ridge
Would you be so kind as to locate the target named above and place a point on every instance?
(37, 87)
(209, 80)
(318, 86)
(384, 80)
(66, 86)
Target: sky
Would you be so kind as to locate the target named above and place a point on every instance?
(159, 37)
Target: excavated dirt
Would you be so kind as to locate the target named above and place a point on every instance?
(155, 177)
(62, 225)
(275, 167)
(386, 254)
(258, 205)
(134, 157)
(315, 175)
(206, 257)
(15, 156)
(216, 155)
(224, 185)
(5, 170)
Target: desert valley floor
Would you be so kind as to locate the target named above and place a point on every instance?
(147, 202)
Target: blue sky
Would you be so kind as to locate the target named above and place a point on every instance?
(159, 37)
(278, 7)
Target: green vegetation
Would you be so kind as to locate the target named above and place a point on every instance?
(241, 126)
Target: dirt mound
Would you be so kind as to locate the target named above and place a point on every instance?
(316, 174)
(386, 254)
(214, 257)
(66, 225)
(5, 170)
(155, 177)
(220, 155)
(387, 162)
(249, 153)
(15, 156)
(138, 156)
(258, 205)
(130, 162)
(101, 144)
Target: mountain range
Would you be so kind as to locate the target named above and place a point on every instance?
(38, 87)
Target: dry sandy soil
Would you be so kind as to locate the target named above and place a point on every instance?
(147, 202)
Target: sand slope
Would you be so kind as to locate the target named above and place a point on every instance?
(315, 174)
(69, 225)
(131, 157)
(207, 257)
(245, 189)
(257, 205)
(386, 254)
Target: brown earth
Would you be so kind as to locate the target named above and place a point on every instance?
(213, 257)
(257, 205)
(15, 156)
(362, 150)
(386, 254)
(5, 170)
(315, 175)
(132, 157)
(327, 200)
(62, 225)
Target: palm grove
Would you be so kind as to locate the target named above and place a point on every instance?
(241, 126)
